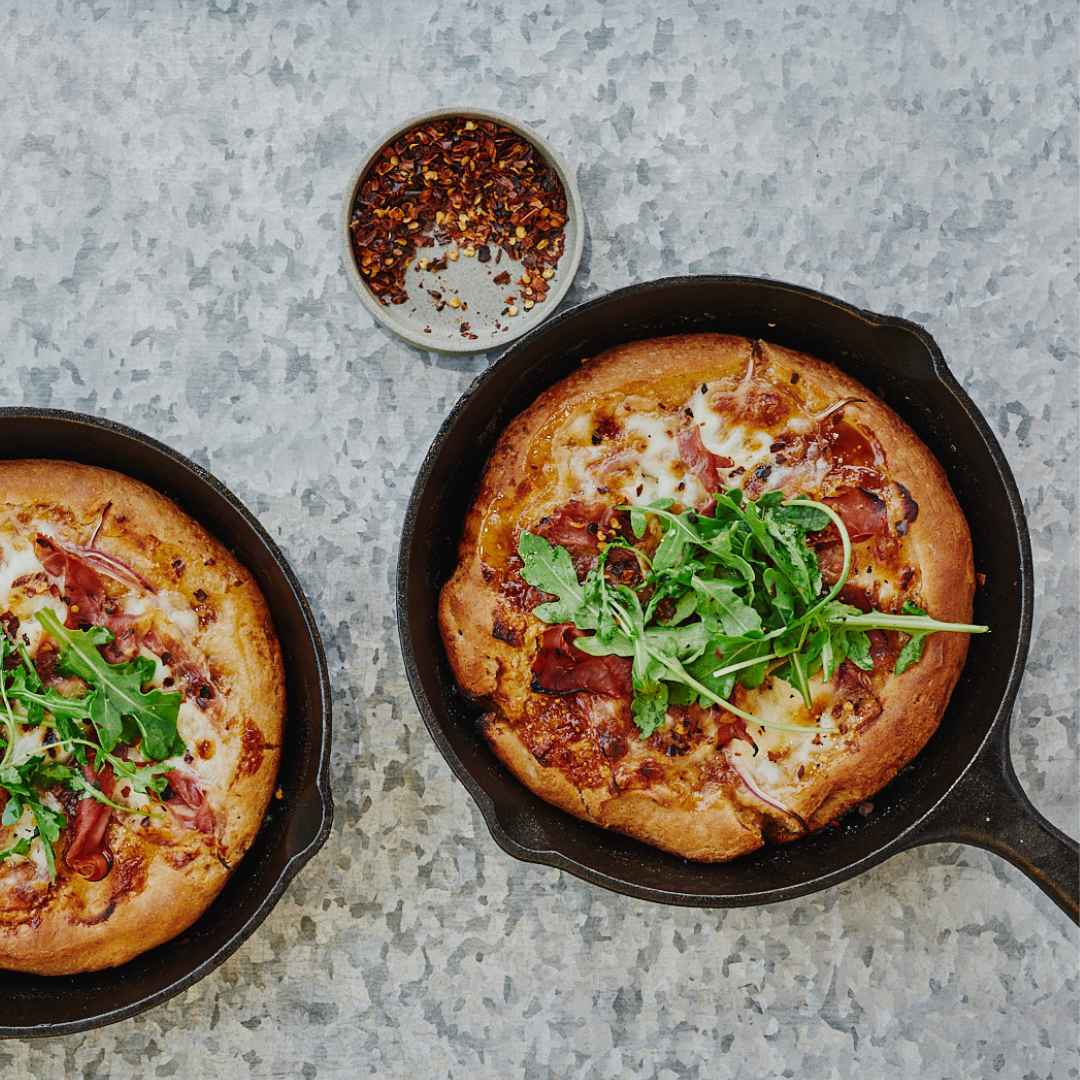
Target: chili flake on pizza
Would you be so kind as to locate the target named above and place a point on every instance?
(141, 712)
(711, 593)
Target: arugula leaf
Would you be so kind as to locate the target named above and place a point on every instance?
(66, 712)
(912, 620)
(39, 700)
(22, 784)
(638, 515)
(730, 598)
(118, 692)
(912, 650)
(145, 778)
(550, 568)
(20, 847)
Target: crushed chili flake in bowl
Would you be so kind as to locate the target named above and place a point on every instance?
(463, 230)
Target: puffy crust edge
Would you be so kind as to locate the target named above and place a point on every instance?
(712, 831)
(89, 926)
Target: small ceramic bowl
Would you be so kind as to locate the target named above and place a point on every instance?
(461, 307)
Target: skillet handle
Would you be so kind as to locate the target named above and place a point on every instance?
(989, 809)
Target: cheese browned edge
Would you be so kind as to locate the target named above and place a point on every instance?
(490, 646)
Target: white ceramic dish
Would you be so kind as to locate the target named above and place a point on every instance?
(429, 323)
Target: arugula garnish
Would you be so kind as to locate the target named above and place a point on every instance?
(117, 693)
(24, 792)
(724, 599)
(114, 711)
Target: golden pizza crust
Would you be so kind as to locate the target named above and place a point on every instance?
(695, 804)
(163, 876)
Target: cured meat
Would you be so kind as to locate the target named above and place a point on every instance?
(88, 854)
(82, 586)
(562, 668)
(188, 804)
(703, 463)
(862, 512)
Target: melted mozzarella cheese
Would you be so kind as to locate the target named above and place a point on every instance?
(644, 463)
(30, 742)
(746, 447)
(178, 612)
(17, 560)
(195, 726)
(659, 469)
(780, 754)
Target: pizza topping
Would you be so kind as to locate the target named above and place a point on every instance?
(186, 801)
(726, 600)
(110, 565)
(910, 510)
(576, 527)
(737, 764)
(83, 588)
(97, 728)
(700, 461)
(863, 513)
(562, 668)
(851, 446)
(88, 854)
(127, 637)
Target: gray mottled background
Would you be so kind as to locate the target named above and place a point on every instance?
(170, 181)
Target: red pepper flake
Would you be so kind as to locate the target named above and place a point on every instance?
(471, 183)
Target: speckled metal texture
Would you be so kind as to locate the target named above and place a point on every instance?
(171, 182)
(933, 797)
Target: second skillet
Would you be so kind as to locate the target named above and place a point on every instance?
(962, 786)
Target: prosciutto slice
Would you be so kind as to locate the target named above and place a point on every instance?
(188, 803)
(87, 602)
(562, 668)
(87, 853)
(575, 525)
(82, 585)
(862, 512)
(703, 463)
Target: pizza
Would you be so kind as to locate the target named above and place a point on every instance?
(712, 593)
(140, 720)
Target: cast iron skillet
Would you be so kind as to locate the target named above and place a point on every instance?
(295, 826)
(962, 787)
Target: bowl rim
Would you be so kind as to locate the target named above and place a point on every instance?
(409, 330)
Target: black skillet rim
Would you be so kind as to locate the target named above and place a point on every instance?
(303, 827)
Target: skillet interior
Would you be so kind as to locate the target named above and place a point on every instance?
(897, 360)
(295, 826)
